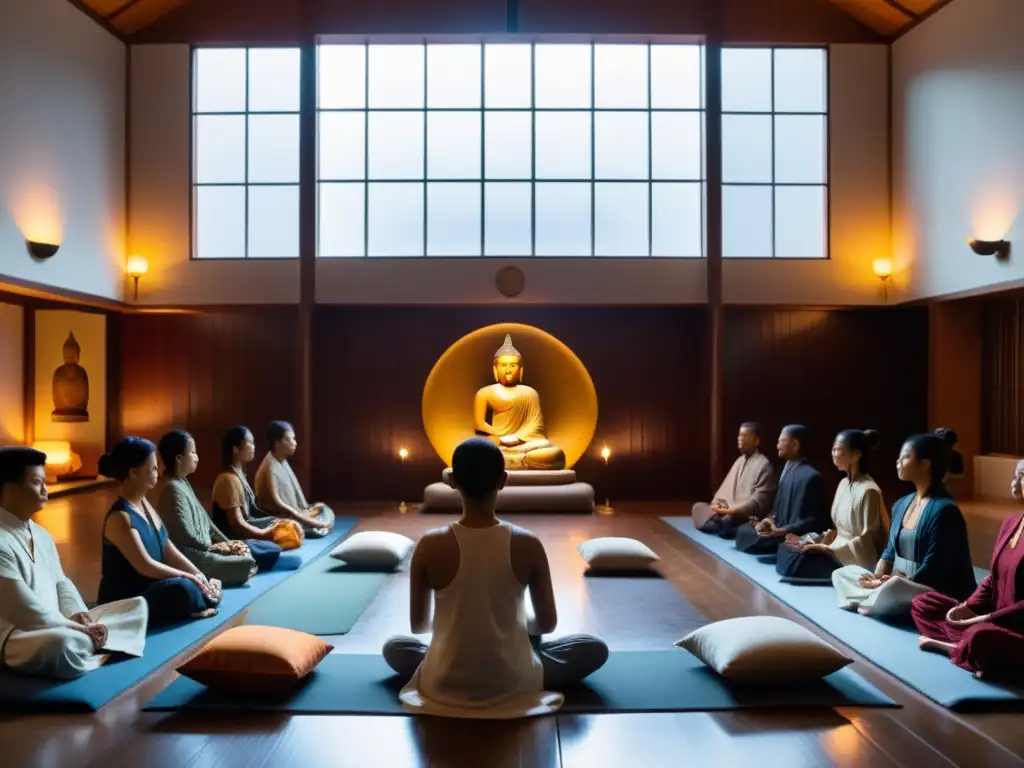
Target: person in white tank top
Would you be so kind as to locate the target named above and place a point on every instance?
(485, 659)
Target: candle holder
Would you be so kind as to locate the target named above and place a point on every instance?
(606, 454)
(403, 454)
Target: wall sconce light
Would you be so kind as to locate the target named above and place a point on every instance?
(998, 248)
(883, 271)
(137, 266)
(41, 251)
(60, 459)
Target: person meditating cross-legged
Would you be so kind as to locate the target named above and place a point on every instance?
(746, 492)
(45, 628)
(798, 507)
(927, 549)
(278, 490)
(985, 633)
(234, 504)
(485, 659)
(188, 525)
(860, 523)
(139, 559)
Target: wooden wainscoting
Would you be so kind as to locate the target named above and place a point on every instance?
(830, 370)
(206, 372)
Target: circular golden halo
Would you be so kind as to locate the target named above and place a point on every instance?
(567, 395)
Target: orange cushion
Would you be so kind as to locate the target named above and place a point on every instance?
(251, 656)
(287, 534)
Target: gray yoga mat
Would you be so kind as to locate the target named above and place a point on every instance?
(631, 681)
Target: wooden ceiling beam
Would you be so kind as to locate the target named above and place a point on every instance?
(122, 8)
(901, 8)
(99, 19)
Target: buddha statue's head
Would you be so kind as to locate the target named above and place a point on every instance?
(72, 351)
(508, 364)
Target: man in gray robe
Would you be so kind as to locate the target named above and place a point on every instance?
(747, 491)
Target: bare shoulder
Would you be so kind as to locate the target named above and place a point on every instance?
(526, 541)
(433, 538)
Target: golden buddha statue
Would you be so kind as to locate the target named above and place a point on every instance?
(70, 386)
(517, 424)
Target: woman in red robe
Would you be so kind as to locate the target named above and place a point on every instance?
(984, 634)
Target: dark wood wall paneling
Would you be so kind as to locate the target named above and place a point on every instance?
(1002, 376)
(207, 372)
(233, 22)
(371, 364)
(830, 370)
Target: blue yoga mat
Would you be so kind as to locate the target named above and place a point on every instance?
(97, 688)
(891, 647)
(630, 681)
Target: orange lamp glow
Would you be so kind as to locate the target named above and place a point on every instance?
(60, 459)
(606, 453)
(403, 454)
(137, 266)
(882, 268)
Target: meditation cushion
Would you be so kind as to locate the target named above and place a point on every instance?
(761, 649)
(379, 550)
(287, 534)
(613, 553)
(530, 477)
(253, 657)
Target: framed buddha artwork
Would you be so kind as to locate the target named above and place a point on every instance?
(70, 382)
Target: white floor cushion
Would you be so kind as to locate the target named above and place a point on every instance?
(379, 550)
(614, 553)
(764, 649)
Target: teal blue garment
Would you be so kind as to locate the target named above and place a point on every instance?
(942, 549)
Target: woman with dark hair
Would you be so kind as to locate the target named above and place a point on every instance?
(234, 503)
(859, 518)
(984, 634)
(139, 560)
(188, 525)
(278, 490)
(928, 548)
(956, 459)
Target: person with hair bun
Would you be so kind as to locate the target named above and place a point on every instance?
(956, 459)
(188, 524)
(927, 549)
(278, 490)
(860, 523)
(139, 559)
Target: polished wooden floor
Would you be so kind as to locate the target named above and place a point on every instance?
(919, 735)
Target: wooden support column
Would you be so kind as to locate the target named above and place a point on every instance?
(307, 256)
(713, 256)
(28, 356)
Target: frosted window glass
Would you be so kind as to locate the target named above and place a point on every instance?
(508, 143)
(746, 79)
(563, 75)
(274, 222)
(800, 149)
(453, 219)
(453, 75)
(800, 221)
(620, 76)
(396, 219)
(676, 77)
(800, 80)
(341, 76)
(396, 76)
(746, 148)
(620, 145)
(220, 222)
(274, 148)
(620, 219)
(677, 220)
(453, 145)
(563, 219)
(220, 149)
(508, 76)
(563, 145)
(677, 146)
(396, 145)
(746, 221)
(507, 219)
(342, 221)
(220, 80)
(274, 79)
(342, 138)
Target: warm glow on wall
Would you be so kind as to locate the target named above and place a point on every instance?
(60, 459)
(995, 210)
(882, 268)
(35, 208)
(137, 266)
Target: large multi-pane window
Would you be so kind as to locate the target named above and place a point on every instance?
(245, 117)
(774, 153)
(510, 149)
